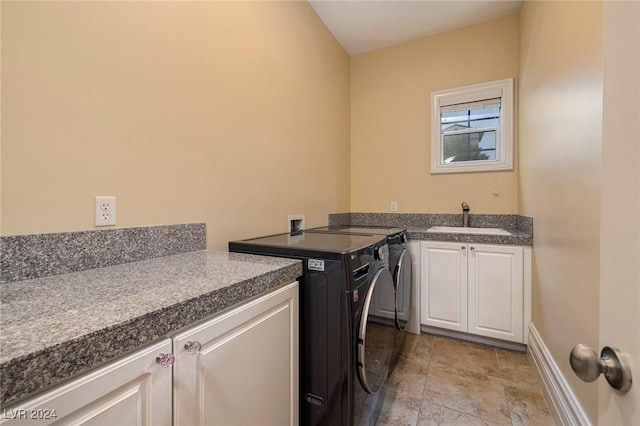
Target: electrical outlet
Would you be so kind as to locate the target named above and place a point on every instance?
(105, 208)
(394, 206)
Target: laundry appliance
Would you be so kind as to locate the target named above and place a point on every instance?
(344, 354)
(394, 306)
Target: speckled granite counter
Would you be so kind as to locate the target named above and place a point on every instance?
(56, 327)
(417, 224)
(517, 238)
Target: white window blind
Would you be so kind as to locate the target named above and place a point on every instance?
(483, 104)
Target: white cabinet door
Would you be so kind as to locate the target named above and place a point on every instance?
(495, 290)
(246, 372)
(444, 285)
(134, 390)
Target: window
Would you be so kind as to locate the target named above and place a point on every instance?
(472, 128)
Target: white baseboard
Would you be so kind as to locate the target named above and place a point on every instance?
(563, 404)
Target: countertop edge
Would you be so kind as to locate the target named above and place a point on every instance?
(516, 238)
(56, 364)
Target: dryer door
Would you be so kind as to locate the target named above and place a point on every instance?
(375, 339)
(403, 277)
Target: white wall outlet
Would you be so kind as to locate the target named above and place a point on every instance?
(105, 211)
(394, 206)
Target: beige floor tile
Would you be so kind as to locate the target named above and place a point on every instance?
(468, 392)
(437, 415)
(527, 406)
(399, 407)
(415, 353)
(512, 360)
(458, 356)
(406, 388)
(418, 345)
(443, 381)
(516, 369)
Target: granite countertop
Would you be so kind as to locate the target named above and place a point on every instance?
(517, 237)
(520, 227)
(56, 327)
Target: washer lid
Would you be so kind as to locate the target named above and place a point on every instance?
(306, 243)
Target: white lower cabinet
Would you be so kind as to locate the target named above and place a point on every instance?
(134, 390)
(474, 288)
(238, 368)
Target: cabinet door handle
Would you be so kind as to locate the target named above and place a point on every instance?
(472, 248)
(192, 348)
(166, 360)
(463, 248)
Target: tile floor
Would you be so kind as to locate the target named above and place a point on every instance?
(444, 381)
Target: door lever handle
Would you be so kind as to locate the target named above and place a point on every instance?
(612, 363)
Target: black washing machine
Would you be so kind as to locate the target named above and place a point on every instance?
(394, 306)
(344, 357)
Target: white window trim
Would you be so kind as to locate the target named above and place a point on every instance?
(504, 145)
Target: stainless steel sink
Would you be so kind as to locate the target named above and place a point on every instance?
(468, 230)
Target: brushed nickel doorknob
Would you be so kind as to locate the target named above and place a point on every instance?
(611, 362)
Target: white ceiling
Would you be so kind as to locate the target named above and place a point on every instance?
(364, 25)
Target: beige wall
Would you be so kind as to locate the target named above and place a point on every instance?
(560, 157)
(232, 113)
(390, 121)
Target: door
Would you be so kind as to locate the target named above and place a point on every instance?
(495, 291)
(375, 339)
(620, 206)
(395, 303)
(241, 367)
(444, 285)
(403, 277)
(413, 324)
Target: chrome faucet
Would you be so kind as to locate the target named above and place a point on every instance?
(465, 215)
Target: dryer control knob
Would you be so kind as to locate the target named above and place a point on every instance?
(380, 254)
